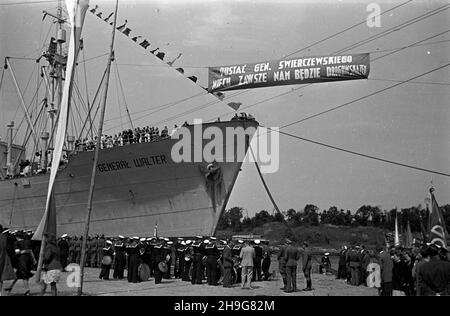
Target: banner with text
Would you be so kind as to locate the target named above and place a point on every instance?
(289, 71)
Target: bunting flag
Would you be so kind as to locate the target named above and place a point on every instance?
(437, 227)
(161, 55)
(235, 105)
(127, 31)
(77, 11)
(396, 236)
(109, 16)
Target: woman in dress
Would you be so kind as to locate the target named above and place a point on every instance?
(51, 269)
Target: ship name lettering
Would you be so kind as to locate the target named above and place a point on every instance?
(150, 161)
(113, 166)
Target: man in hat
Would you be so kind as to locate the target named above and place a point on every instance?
(258, 259)
(212, 255)
(119, 258)
(307, 265)
(168, 255)
(187, 258)
(197, 263)
(247, 256)
(63, 246)
(325, 263)
(106, 260)
(342, 264)
(179, 257)
(291, 256)
(134, 260)
(237, 271)
(101, 243)
(158, 257)
(434, 275)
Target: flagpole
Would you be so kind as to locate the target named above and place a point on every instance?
(96, 154)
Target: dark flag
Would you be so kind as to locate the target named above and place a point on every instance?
(94, 9)
(145, 44)
(218, 95)
(193, 78)
(235, 105)
(120, 28)
(160, 55)
(136, 38)
(438, 231)
(180, 70)
(99, 15)
(126, 31)
(153, 51)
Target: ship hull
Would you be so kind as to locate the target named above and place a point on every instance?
(137, 187)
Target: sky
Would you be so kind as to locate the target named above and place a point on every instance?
(408, 124)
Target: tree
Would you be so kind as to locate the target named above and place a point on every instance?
(310, 215)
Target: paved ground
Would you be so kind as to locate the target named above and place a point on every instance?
(324, 285)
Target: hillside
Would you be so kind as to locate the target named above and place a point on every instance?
(326, 236)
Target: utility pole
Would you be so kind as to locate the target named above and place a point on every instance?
(96, 154)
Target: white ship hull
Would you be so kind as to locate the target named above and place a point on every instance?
(137, 187)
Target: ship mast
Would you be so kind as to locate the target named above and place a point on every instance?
(97, 150)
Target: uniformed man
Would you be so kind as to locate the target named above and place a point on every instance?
(119, 258)
(355, 266)
(258, 259)
(72, 242)
(307, 265)
(159, 256)
(101, 243)
(188, 254)
(325, 263)
(197, 263)
(266, 264)
(227, 262)
(93, 251)
(212, 255)
(78, 244)
(282, 265)
(179, 258)
(168, 255)
(134, 260)
(63, 246)
(106, 260)
(342, 269)
(237, 269)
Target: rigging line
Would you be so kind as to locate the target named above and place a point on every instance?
(123, 95)
(118, 100)
(89, 117)
(363, 155)
(23, 93)
(364, 97)
(27, 2)
(409, 46)
(86, 83)
(413, 44)
(91, 58)
(344, 30)
(396, 28)
(413, 82)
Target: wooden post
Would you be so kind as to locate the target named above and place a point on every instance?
(96, 154)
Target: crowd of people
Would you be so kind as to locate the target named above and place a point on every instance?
(421, 270)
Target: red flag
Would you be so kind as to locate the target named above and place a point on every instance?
(438, 231)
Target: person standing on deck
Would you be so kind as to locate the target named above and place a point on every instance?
(258, 258)
(119, 259)
(227, 261)
(63, 246)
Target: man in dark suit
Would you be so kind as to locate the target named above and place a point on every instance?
(291, 257)
(258, 259)
(307, 265)
(63, 246)
(435, 275)
(227, 265)
(386, 266)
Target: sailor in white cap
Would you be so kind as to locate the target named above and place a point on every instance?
(257, 275)
(106, 260)
(120, 259)
(133, 260)
(63, 246)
